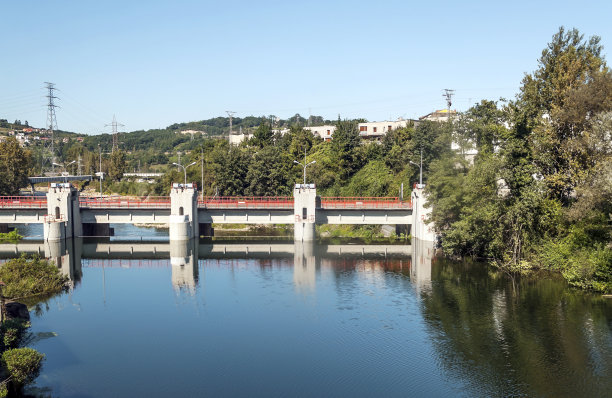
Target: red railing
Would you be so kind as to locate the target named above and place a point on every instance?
(36, 202)
(246, 202)
(364, 203)
(127, 202)
(218, 202)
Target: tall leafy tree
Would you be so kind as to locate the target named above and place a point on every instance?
(117, 165)
(346, 141)
(555, 106)
(15, 164)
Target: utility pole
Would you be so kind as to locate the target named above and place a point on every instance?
(51, 118)
(101, 174)
(448, 94)
(231, 116)
(114, 125)
(79, 164)
(202, 160)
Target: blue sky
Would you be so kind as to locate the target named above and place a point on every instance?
(154, 63)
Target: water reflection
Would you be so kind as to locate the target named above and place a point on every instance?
(184, 263)
(448, 328)
(534, 337)
(304, 267)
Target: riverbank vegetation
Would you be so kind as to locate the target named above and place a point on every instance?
(23, 278)
(26, 277)
(538, 193)
(12, 236)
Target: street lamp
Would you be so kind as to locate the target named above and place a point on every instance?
(64, 166)
(184, 169)
(420, 170)
(304, 166)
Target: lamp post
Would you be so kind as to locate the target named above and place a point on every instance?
(184, 169)
(420, 169)
(304, 166)
(63, 165)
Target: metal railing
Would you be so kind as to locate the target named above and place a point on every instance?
(125, 202)
(36, 202)
(212, 202)
(335, 202)
(246, 202)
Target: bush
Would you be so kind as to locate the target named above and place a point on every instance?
(25, 277)
(22, 364)
(12, 331)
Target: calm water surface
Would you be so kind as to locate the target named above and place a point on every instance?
(278, 319)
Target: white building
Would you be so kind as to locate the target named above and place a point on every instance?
(326, 132)
(376, 130)
(236, 139)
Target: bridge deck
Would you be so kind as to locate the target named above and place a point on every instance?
(227, 202)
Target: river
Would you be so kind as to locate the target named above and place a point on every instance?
(236, 318)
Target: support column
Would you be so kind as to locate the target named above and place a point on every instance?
(183, 212)
(64, 215)
(304, 210)
(420, 228)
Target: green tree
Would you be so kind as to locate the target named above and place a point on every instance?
(15, 163)
(117, 165)
(556, 104)
(346, 141)
(268, 173)
(263, 135)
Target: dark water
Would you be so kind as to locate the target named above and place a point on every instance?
(281, 319)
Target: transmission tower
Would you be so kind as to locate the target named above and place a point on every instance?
(448, 94)
(51, 120)
(114, 125)
(231, 116)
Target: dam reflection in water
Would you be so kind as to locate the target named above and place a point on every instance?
(183, 257)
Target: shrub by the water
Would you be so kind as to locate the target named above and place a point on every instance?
(13, 331)
(25, 277)
(22, 364)
(12, 236)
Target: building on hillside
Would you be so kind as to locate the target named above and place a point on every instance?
(236, 139)
(325, 132)
(376, 130)
(439, 115)
(191, 132)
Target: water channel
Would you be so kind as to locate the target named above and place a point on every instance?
(274, 318)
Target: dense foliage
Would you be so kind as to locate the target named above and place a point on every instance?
(14, 166)
(23, 364)
(538, 192)
(25, 277)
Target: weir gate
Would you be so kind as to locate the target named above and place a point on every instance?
(66, 214)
